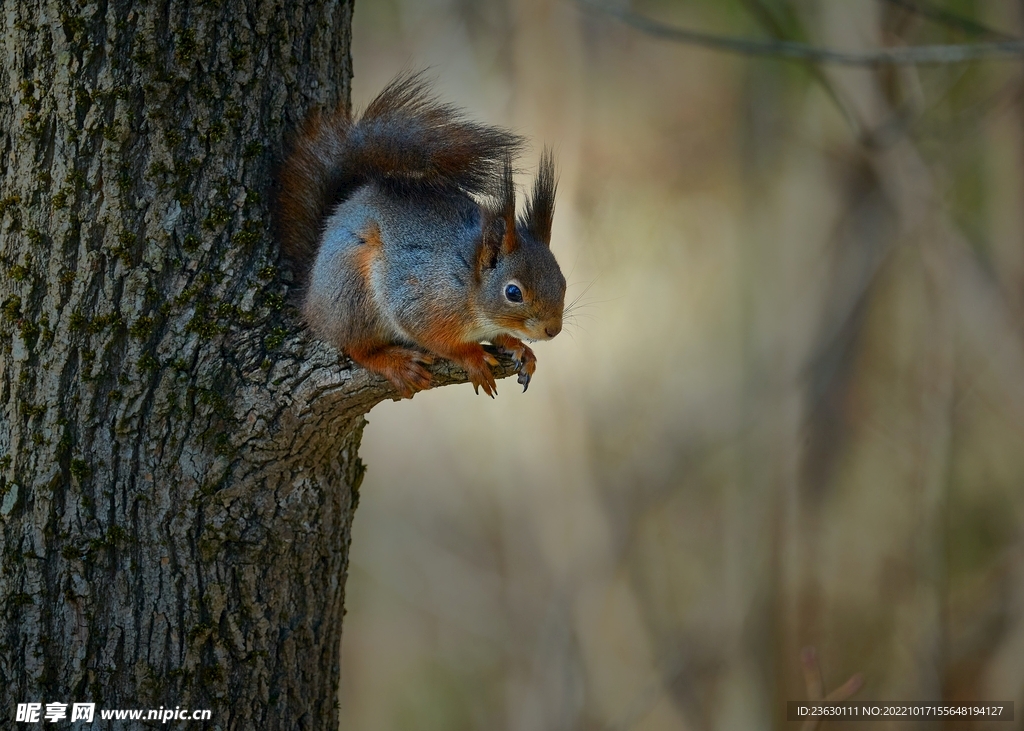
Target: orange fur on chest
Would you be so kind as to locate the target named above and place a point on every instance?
(445, 330)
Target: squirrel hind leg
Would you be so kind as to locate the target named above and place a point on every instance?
(404, 367)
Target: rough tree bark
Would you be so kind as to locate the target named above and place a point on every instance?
(178, 459)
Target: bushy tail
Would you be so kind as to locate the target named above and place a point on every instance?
(405, 137)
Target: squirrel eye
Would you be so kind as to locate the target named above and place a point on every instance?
(513, 293)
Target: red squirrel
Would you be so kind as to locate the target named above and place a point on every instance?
(403, 226)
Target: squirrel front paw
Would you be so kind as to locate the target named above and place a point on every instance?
(404, 367)
(477, 363)
(523, 358)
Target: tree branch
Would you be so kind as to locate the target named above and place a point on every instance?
(307, 369)
(790, 50)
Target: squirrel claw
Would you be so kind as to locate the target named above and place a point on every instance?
(490, 390)
(479, 371)
(523, 359)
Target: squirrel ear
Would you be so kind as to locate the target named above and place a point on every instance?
(498, 237)
(489, 245)
(507, 209)
(540, 208)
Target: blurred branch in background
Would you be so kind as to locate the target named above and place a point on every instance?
(814, 679)
(785, 26)
(796, 51)
(950, 19)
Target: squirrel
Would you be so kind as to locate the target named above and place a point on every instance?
(402, 225)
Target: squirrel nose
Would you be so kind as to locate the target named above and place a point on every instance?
(553, 330)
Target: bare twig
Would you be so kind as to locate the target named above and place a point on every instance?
(791, 50)
(815, 683)
(767, 19)
(951, 20)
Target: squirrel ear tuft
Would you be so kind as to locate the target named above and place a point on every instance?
(540, 208)
(507, 203)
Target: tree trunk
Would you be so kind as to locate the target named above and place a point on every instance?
(178, 459)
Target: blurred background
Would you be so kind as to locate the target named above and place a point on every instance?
(788, 407)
